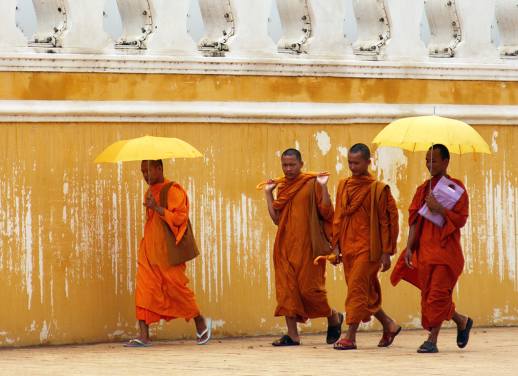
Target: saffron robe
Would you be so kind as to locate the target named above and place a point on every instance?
(162, 291)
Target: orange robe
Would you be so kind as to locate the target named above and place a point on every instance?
(438, 257)
(162, 291)
(352, 233)
(300, 285)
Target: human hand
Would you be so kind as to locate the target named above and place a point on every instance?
(150, 202)
(433, 204)
(385, 262)
(270, 185)
(408, 258)
(323, 178)
(338, 255)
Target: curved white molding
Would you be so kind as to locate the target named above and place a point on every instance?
(296, 26)
(51, 16)
(137, 23)
(218, 18)
(445, 28)
(251, 37)
(327, 29)
(504, 70)
(373, 28)
(243, 112)
(12, 37)
(507, 18)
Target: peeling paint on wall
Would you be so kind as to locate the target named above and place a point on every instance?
(70, 229)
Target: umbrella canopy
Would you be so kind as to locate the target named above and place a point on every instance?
(147, 148)
(419, 133)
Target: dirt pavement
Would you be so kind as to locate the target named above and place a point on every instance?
(490, 352)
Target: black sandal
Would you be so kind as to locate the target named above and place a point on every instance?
(334, 332)
(428, 348)
(463, 335)
(285, 340)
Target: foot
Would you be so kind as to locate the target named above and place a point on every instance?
(389, 336)
(335, 331)
(428, 347)
(463, 333)
(203, 331)
(138, 342)
(285, 340)
(345, 344)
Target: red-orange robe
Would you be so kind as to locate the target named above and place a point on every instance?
(438, 257)
(352, 232)
(300, 285)
(162, 291)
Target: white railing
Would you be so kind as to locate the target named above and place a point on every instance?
(237, 39)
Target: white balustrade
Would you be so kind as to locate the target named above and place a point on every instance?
(327, 29)
(476, 18)
(137, 23)
(170, 35)
(373, 28)
(218, 18)
(445, 28)
(507, 20)
(11, 36)
(311, 29)
(52, 19)
(251, 37)
(405, 30)
(296, 26)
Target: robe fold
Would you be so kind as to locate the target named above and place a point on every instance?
(362, 245)
(300, 285)
(162, 291)
(438, 260)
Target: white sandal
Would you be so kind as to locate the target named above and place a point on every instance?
(207, 331)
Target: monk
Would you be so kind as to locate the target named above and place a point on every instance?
(300, 284)
(433, 259)
(162, 291)
(365, 232)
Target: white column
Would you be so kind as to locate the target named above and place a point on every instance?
(251, 28)
(476, 18)
(11, 36)
(218, 19)
(137, 23)
(374, 29)
(85, 30)
(52, 19)
(507, 18)
(405, 30)
(169, 33)
(445, 27)
(327, 29)
(296, 26)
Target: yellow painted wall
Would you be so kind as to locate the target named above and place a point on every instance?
(112, 86)
(69, 229)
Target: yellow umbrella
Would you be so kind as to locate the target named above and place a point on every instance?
(147, 148)
(420, 133)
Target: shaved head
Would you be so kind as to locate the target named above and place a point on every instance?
(292, 153)
(362, 149)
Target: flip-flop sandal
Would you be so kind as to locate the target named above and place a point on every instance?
(207, 331)
(285, 340)
(137, 343)
(428, 348)
(345, 344)
(388, 338)
(334, 332)
(463, 335)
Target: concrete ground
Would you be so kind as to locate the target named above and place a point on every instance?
(490, 352)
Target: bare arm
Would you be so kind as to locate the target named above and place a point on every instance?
(268, 192)
(326, 198)
(410, 247)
